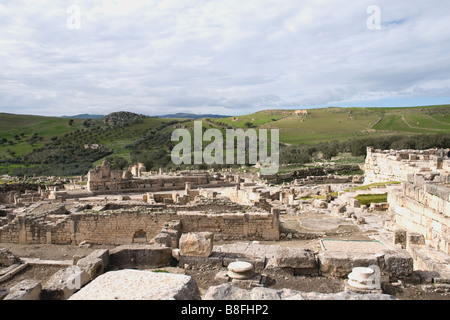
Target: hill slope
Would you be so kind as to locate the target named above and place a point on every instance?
(53, 142)
(321, 125)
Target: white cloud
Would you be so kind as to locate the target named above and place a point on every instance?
(230, 56)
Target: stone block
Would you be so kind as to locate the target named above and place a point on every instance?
(299, 259)
(95, 263)
(338, 209)
(196, 244)
(355, 203)
(163, 239)
(414, 238)
(317, 203)
(398, 264)
(273, 270)
(139, 285)
(64, 283)
(400, 237)
(339, 264)
(25, 290)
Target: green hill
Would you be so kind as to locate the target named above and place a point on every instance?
(321, 125)
(63, 146)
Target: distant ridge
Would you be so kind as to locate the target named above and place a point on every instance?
(84, 116)
(192, 116)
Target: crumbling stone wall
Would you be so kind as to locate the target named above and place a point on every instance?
(422, 206)
(395, 165)
(126, 227)
(104, 180)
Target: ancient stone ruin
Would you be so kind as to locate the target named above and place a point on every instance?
(206, 235)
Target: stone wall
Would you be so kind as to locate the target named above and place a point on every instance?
(318, 175)
(135, 226)
(423, 206)
(103, 180)
(395, 165)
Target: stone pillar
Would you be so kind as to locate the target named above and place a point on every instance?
(48, 236)
(22, 231)
(291, 199)
(439, 162)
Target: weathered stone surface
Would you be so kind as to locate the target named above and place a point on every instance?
(273, 270)
(139, 285)
(339, 263)
(64, 283)
(139, 256)
(213, 262)
(226, 292)
(317, 203)
(25, 290)
(93, 266)
(95, 263)
(7, 258)
(398, 264)
(337, 209)
(295, 258)
(196, 244)
(173, 224)
(400, 237)
(163, 239)
(229, 292)
(3, 293)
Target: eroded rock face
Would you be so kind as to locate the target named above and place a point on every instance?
(139, 285)
(196, 244)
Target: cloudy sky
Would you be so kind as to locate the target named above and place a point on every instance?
(221, 56)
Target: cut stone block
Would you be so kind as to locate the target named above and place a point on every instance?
(339, 264)
(25, 290)
(64, 283)
(196, 244)
(139, 285)
(95, 263)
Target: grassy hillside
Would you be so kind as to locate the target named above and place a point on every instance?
(49, 142)
(321, 125)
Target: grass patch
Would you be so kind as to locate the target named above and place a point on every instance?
(160, 271)
(368, 186)
(367, 199)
